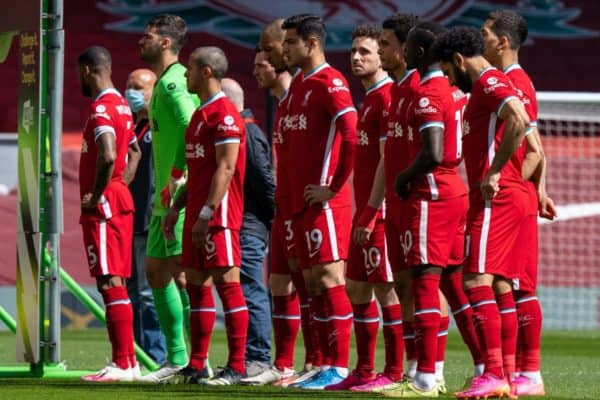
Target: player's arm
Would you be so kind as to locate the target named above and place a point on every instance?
(430, 156)
(366, 221)
(345, 122)
(134, 155)
(546, 206)
(516, 123)
(105, 165)
(226, 158)
(533, 155)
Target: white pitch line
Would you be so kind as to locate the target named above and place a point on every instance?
(573, 211)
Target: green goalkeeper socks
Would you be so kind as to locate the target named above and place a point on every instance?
(169, 309)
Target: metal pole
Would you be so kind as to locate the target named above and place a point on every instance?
(56, 45)
(98, 312)
(8, 320)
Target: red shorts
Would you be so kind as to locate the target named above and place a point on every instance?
(397, 235)
(437, 230)
(369, 263)
(108, 244)
(222, 249)
(492, 245)
(283, 245)
(322, 235)
(528, 237)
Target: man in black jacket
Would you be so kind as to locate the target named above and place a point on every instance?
(259, 208)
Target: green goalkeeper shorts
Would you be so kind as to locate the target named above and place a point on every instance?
(158, 245)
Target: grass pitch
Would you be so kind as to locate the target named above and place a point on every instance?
(571, 370)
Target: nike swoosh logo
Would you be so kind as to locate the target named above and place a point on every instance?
(313, 253)
(289, 246)
(209, 256)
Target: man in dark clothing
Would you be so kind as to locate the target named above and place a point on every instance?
(259, 208)
(145, 325)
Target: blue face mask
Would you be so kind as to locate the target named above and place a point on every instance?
(135, 98)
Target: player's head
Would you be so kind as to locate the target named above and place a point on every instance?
(419, 44)
(93, 64)
(393, 39)
(263, 71)
(138, 89)
(163, 33)
(205, 63)
(234, 92)
(271, 42)
(304, 38)
(364, 57)
(504, 30)
(454, 48)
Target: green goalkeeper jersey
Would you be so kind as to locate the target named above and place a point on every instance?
(171, 108)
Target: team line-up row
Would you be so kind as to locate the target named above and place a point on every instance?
(420, 244)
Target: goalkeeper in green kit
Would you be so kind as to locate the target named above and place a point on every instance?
(170, 110)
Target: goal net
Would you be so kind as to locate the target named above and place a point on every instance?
(569, 247)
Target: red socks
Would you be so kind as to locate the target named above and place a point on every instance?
(286, 323)
(312, 355)
(488, 326)
(202, 322)
(508, 315)
(427, 320)
(339, 324)
(236, 323)
(409, 340)
(530, 330)
(394, 343)
(451, 286)
(442, 338)
(119, 323)
(318, 326)
(366, 325)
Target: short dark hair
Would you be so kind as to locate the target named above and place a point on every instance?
(370, 31)
(307, 25)
(213, 57)
(465, 40)
(401, 24)
(171, 26)
(95, 57)
(426, 32)
(275, 29)
(510, 24)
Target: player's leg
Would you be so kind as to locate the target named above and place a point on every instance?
(222, 257)
(167, 298)
(508, 318)
(442, 339)
(258, 344)
(108, 244)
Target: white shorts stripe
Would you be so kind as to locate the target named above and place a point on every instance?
(485, 230)
(103, 249)
(229, 248)
(423, 233)
(106, 207)
(332, 234)
(389, 275)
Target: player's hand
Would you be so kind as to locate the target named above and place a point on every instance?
(490, 186)
(365, 225)
(546, 208)
(200, 232)
(87, 201)
(165, 197)
(314, 194)
(402, 187)
(169, 223)
(176, 180)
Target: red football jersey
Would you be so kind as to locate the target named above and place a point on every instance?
(483, 131)
(399, 131)
(438, 104)
(215, 123)
(316, 101)
(109, 114)
(371, 130)
(281, 149)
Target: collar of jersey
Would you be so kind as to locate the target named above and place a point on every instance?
(484, 71)
(407, 73)
(378, 84)
(107, 91)
(316, 70)
(283, 96)
(436, 73)
(511, 67)
(212, 99)
(165, 72)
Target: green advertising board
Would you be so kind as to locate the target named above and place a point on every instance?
(31, 133)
